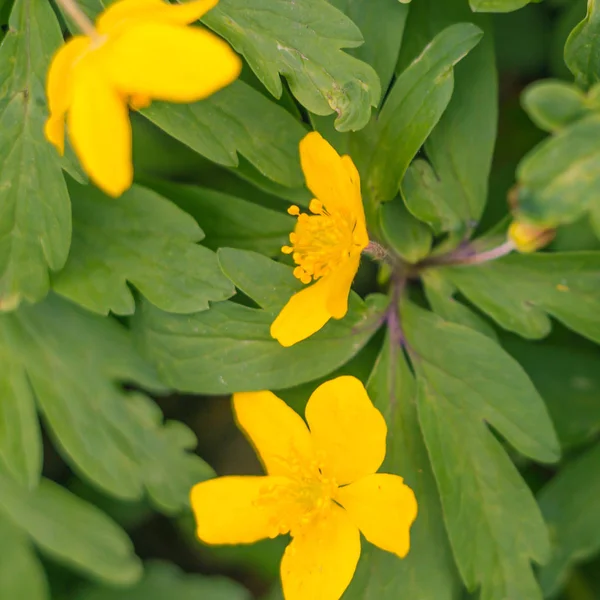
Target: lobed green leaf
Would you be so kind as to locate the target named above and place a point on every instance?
(140, 238)
(465, 380)
(70, 530)
(229, 221)
(428, 571)
(521, 292)
(229, 348)
(35, 214)
(73, 361)
(382, 25)
(238, 119)
(302, 41)
(567, 377)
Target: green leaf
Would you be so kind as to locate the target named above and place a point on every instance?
(165, 581)
(115, 439)
(428, 570)
(70, 530)
(563, 286)
(229, 221)
(552, 105)
(415, 104)
(570, 505)
(144, 239)
(582, 50)
(21, 574)
(498, 6)
(465, 380)
(382, 25)
(229, 348)
(450, 195)
(440, 296)
(34, 202)
(560, 178)
(567, 377)
(409, 237)
(20, 437)
(238, 119)
(302, 41)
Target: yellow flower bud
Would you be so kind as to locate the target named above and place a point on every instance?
(529, 238)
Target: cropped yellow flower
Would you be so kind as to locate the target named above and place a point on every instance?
(143, 51)
(321, 487)
(326, 245)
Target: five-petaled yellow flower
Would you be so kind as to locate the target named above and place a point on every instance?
(326, 245)
(143, 50)
(321, 486)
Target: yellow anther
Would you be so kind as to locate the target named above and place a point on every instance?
(315, 206)
(293, 210)
(321, 241)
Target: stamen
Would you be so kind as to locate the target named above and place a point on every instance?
(321, 240)
(316, 206)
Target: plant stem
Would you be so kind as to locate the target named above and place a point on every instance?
(467, 256)
(79, 17)
(488, 255)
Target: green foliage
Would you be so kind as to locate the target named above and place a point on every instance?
(570, 508)
(229, 348)
(144, 240)
(582, 50)
(464, 379)
(428, 571)
(163, 581)
(413, 107)
(124, 322)
(35, 215)
(69, 531)
(320, 75)
(449, 192)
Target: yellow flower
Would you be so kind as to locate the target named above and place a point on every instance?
(143, 51)
(326, 245)
(321, 486)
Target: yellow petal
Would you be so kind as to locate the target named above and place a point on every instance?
(320, 561)
(304, 314)
(100, 131)
(228, 510)
(327, 175)
(383, 507)
(348, 432)
(59, 88)
(279, 434)
(360, 232)
(169, 62)
(340, 281)
(126, 12)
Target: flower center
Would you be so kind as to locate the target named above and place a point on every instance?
(306, 496)
(321, 241)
